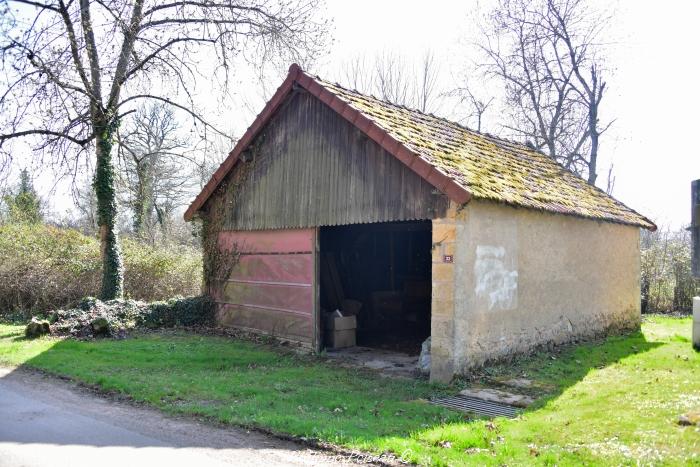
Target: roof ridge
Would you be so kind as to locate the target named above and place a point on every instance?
(432, 115)
(505, 143)
(486, 134)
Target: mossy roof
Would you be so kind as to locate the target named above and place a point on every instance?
(489, 167)
(460, 162)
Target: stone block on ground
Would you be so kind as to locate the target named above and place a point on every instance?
(520, 383)
(690, 418)
(424, 358)
(37, 327)
(495, 395)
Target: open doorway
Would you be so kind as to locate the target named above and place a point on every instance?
(381, 273)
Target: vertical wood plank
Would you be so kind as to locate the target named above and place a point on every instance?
(313, 168)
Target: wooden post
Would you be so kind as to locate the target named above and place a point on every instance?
(695, 234)
(696, 323)
(317, 340)
(695, 226)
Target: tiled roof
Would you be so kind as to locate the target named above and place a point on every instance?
(460, 162)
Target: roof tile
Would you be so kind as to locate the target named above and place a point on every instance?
(488, 167)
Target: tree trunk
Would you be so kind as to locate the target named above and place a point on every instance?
(143, 204)
(112, 270)
(593, 160)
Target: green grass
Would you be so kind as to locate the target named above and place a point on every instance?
(614, 402)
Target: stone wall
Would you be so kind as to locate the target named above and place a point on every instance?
(443, 296)
(522, 278)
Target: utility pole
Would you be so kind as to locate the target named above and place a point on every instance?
(695, 226)
(695, 247)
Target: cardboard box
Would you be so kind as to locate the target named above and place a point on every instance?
(340, 330)
(340, 323)
(340, 339)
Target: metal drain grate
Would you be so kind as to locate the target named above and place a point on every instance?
(478, 406)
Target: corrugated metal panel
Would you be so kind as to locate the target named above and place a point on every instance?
(310, 168)
(271, 287)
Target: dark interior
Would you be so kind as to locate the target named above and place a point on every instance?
(384, 270)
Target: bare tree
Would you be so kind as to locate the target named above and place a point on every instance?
(356, 75)
(611, 180)
(392, 78)
(546, 55)
(478, 106)
(570, 23)
(73, 69)
(427, 82)
(85, 204)
(156, 172)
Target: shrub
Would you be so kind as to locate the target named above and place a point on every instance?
(667, 283)
(44, 267)
(115, 318)
(161, 271)
(188, 311)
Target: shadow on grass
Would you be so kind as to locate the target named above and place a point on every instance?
(12, 334)
(251, 385)
(553, 372)
(246, 384)
(16, 335)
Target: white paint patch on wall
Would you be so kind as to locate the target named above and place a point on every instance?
(494, 281)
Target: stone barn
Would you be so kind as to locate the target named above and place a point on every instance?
(414, 225)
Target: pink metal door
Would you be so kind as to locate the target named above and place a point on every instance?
(272, 287)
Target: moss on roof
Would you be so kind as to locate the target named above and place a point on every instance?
(491, 168)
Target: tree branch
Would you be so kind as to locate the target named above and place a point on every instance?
(175, 104)
(20, 134)
(127, 47)
(93, 58)
(73, 43)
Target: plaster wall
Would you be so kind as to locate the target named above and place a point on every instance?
(523, 278)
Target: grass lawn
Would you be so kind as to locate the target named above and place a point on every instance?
(614, 402)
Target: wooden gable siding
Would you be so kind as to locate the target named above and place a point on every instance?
(310, 167)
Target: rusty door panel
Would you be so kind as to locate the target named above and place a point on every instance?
(287, 268)
(295, 299)
(289, 326)
(268, 241)
(271, 287)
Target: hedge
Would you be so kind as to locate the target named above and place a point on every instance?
(43, 267)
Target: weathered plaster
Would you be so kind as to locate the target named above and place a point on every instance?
(524, 278)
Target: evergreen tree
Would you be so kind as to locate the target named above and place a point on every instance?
(25, 205)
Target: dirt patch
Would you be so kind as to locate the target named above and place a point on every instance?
(385, 362)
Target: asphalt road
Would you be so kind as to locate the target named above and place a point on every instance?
(49, 422)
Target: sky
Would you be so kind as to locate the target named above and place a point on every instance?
(654, 98)
(653, 92)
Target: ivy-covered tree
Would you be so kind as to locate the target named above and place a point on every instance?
(24, 206)
(71, 70)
